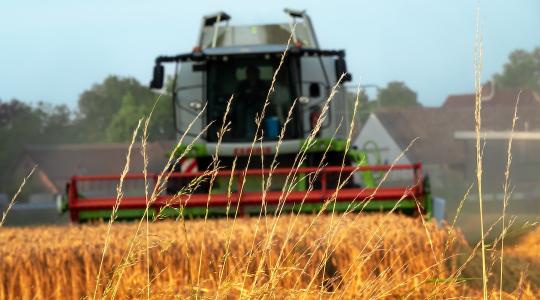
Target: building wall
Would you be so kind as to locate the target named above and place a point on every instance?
(373, 130)
(524, 174)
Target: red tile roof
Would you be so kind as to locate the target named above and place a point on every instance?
(499, 98)
(435, 127)
(60, 162)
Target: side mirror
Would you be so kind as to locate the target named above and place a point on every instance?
(341, 67)
(314, 90)
(157, 77)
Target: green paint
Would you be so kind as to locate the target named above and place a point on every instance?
(376, 151)
(302, 181)
(359, 157)
(316, 145)
(106, 214)
(191, 151)
(167, 212)
(406, 206)
(321, 145)
(428, 200)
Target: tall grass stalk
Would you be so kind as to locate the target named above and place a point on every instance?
(215, 165)
(478, 57)
(290, 183)
(14, 198)
(144, 154)
(119, 196)
(258, 122)
(159, 187)
(506, 190)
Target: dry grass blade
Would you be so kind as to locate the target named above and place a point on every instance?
(214, 170)
(14, 198)
(118, 272)
(289, 184)
(507, 192)
(119, 196)
(258, 122)
(479, 149)
(144, 153)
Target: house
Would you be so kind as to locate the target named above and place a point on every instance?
(444, 140)
(424, 129)
(55, 164)
(492, 97)
(431, 129)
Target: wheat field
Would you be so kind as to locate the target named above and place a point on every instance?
(331, 257)
(294, 257)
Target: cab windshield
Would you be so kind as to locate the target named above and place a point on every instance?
(249, 80)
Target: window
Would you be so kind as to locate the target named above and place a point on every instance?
(249, 80)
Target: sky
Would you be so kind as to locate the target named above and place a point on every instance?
(54, 50)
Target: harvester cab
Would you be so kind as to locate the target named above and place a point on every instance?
(240, 61)
(283, 65)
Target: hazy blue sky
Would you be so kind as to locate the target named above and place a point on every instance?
(53, 50)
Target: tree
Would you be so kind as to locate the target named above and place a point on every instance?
(99, 105)
(109, 111)
(351, 96)
(521, 71)
(21, 124)
(397, 94)
(364, 107)
(58, 123)
(124, 121)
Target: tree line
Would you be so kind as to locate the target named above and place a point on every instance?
(106, 113)
(522, 70)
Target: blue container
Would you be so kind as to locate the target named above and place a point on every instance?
(271, 128)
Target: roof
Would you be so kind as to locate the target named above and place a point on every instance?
(435, 128)
(247, 50)
(497, 98)
(59, 162)
(499, 135)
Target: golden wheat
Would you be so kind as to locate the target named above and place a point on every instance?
(62, 262)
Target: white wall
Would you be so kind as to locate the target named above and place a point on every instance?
(373, 130)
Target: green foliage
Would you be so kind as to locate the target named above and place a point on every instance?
(363, 98)
(521, 71)
(107, 112)
(125, 120)
(364, 108)
(397, 94)
(110, 110)
(20, 124)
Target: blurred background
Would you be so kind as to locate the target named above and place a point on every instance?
(74, 81)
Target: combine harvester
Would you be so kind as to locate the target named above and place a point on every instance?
(241, 61)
